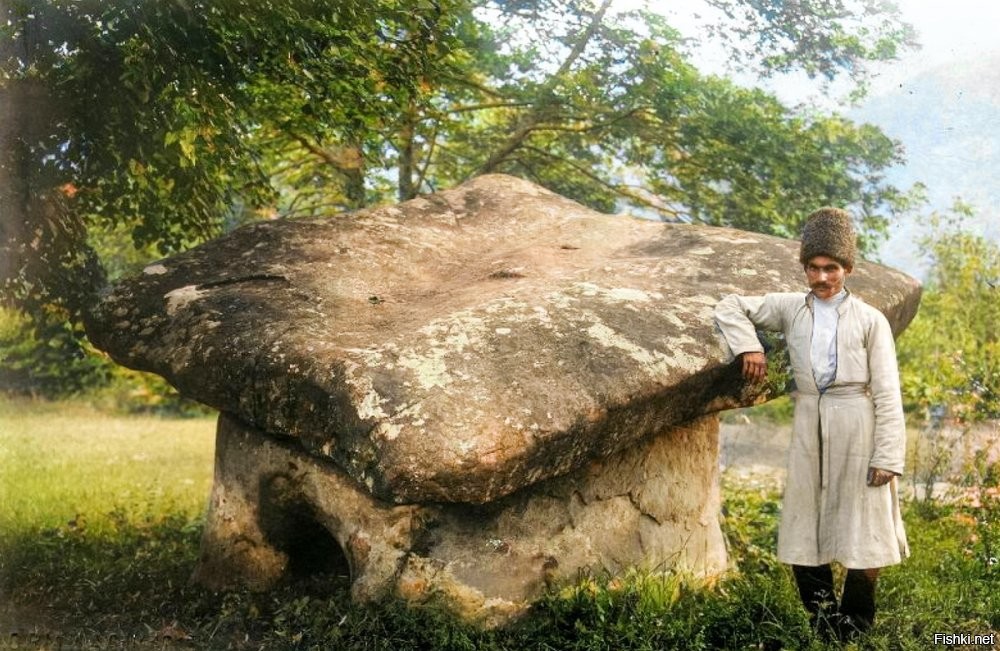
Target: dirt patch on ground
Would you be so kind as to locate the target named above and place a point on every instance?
(753, 444)
(938, 456)
(26, 626)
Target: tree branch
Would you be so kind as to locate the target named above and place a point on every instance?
(422, 175)
(345, 159)
(581, 44)
(590, 127)
(617, 189)
(465, 81)
(526, 125)
(488, 105)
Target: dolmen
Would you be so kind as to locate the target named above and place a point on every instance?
(468, 397)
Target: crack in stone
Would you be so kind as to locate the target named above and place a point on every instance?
(638, 507)
(212, 284)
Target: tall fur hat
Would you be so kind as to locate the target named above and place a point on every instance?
(829, 232)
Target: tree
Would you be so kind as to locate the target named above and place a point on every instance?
(950, 354)
(176, 119)
(168, 115)
(950, 357)
(822, 38)
(609, 112)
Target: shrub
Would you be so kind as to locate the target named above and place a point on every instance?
(46, 357)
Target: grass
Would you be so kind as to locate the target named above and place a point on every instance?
(66, 462)
(100, 520)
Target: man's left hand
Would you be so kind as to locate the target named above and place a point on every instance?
(879, 477)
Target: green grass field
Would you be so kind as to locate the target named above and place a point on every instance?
(67, 462)
(101, 515)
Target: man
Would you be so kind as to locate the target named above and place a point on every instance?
(840, 502)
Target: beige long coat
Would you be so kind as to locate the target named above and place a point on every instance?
(829, 513)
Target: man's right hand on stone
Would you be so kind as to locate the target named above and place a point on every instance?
(754, 366)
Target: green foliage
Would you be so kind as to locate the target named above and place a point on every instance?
(744, 160)
(778, 411)
(168, 117)
(819, 37)
(750, 518)
(173, 121)
(136, 392)
(949, 567)
(51, 358)
(47, 356)
(172, 117)
(950, 354)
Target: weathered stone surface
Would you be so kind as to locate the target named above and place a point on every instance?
(654, 505)
(460, 346)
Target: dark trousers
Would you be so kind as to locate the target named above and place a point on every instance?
(857, 602)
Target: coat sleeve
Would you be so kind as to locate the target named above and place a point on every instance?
(890, 426)
(739, 317)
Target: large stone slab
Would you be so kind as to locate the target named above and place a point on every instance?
(461, 346)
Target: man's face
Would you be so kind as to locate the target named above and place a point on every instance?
(825, 276)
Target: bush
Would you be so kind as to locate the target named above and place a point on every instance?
(47, 357)
(134, 392)
(52, 359)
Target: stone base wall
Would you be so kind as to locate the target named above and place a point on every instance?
(654, 506)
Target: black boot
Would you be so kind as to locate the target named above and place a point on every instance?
(815, 585)
(857, 605)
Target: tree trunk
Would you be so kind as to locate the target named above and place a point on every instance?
(406, 164)
(44, 256)
(354, 188)
(19, 106)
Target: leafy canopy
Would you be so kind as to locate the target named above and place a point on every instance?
(175, 120)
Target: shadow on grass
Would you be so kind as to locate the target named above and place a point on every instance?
(126, 585)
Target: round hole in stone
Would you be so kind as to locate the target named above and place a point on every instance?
(291, 526)
(312, 551)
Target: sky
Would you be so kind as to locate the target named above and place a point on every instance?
(942, 101)
(949, 33)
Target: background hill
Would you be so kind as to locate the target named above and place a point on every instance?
(948, 119)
